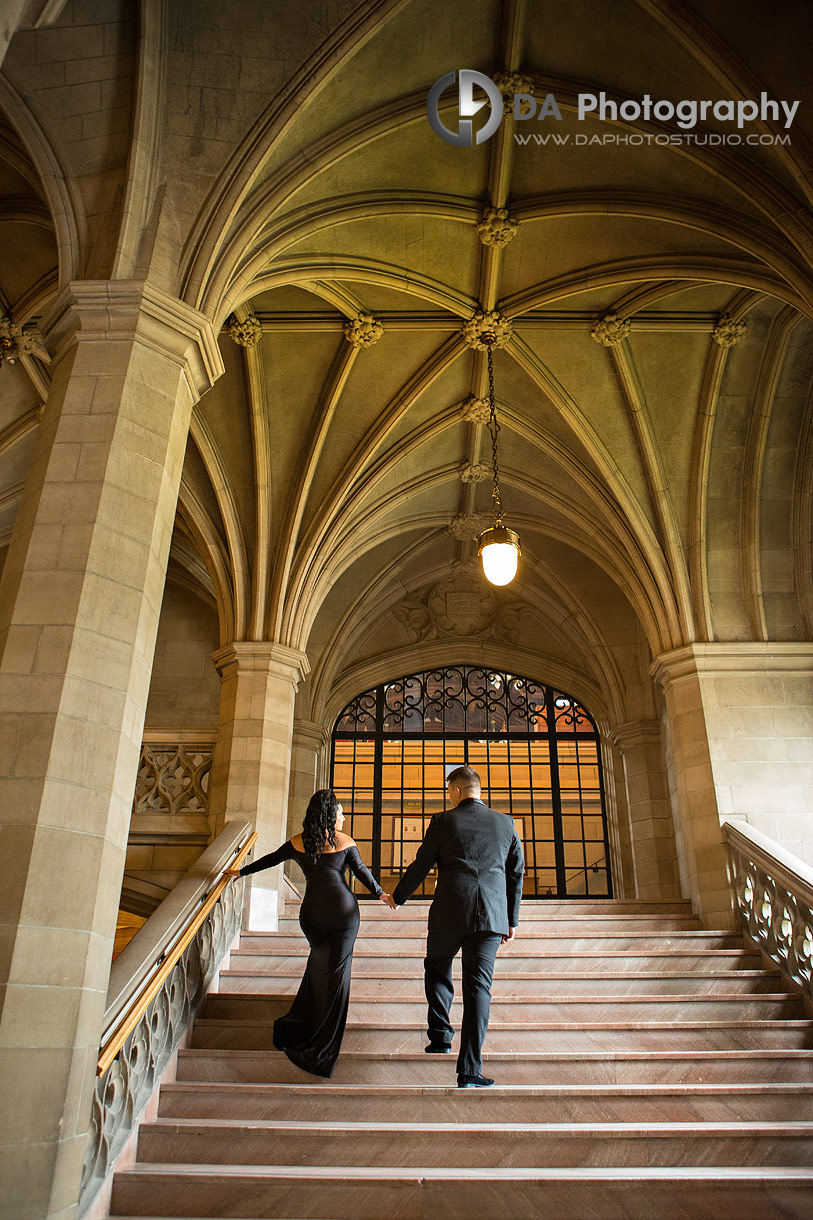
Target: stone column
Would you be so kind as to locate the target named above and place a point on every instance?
(310, 761)
(652, 837)
(310, 764)
(703, 863)
(79, 605)
(739, 718)
(252, 761)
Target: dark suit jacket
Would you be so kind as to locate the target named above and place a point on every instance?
(479, 860)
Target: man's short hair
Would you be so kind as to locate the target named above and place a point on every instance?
(466, 778)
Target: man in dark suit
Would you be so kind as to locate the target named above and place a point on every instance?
(475, 908)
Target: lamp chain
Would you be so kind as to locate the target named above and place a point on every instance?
(497, 509)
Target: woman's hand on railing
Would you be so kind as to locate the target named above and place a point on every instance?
(128, 1016)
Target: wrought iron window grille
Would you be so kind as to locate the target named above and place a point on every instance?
(394, 745)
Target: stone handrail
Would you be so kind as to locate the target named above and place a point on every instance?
(774, 893)
(197, 923)
(166, 925)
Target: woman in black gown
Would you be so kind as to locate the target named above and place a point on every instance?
(311, 1032)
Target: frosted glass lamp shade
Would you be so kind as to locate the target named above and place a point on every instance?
(499, 550)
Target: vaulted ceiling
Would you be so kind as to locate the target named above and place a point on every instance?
(662, 485)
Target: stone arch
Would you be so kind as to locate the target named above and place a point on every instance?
(63, 199)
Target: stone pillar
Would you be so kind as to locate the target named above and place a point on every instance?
(252, 761)
(704, 868)
(758, 708)
(740, 723)
(309, 768)
(652, 837)
(79, 605)
(310, 764)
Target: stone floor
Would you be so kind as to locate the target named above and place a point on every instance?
(646, 1070)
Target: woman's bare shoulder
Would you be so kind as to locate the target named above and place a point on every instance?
(297, 844)
(343, 841)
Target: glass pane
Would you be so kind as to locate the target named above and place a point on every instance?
(574, 855)
(542, 882)
(571, 827)
(598, 883)
(576, 884)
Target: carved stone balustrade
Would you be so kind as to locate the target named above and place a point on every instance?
(123, 1090)
(774, 894)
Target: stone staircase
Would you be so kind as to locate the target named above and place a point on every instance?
(646, 1069)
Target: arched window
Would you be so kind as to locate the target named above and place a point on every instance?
(537, 752)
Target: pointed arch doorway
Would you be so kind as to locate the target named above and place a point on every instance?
(537, 751)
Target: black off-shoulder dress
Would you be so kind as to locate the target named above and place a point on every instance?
(311, 1031)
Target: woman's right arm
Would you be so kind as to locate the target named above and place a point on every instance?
(275, 857)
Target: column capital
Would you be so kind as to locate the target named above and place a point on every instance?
(308, 732)
(134, 310)
(636, 733)
(261, 656)
(732, 657)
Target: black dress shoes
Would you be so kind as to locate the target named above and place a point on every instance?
(437, 1048)
(474, 1082)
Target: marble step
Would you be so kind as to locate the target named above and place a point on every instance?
(399, 1037)
(532, 908)
(586, 1066)
(508, 1145)
(411, 946)
(245, 964)
(588, 1009)
(351, 1193)
(515, 1103)
(407, 985)
(582, 925)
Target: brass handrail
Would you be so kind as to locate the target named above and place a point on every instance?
(121, 1032)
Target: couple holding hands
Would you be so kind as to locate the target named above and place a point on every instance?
(475, 909)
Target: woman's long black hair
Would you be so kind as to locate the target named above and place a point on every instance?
(319, 827)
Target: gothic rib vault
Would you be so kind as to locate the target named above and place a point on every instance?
(321, 476)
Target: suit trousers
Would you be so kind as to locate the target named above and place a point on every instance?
(479, 952)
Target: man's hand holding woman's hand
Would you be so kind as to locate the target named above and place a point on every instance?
(387, 900)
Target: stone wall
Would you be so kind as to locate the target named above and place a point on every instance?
(185, 688)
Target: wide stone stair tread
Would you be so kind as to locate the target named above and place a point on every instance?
(631, 1047)
(569, 1068)
(696, 1193)
(369, 966)
(537, 1103)
(451, 1144)
(514, 985)
(597, 975)
(400, 926)
(534, 1035)
(523, 949)
(532, 907)
(761, 1000)
(408, 946)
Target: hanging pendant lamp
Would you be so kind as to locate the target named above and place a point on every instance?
(498, 546)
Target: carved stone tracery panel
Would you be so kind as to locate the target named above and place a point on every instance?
(173, 779)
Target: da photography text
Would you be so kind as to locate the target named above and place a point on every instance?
(525, 108)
